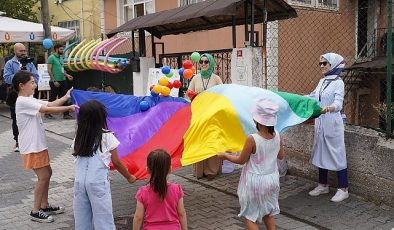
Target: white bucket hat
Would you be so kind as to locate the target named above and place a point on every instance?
(264, 112)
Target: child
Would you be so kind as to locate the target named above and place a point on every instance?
(94, 149)
(32, 143)
(159, 203)
(258, 188)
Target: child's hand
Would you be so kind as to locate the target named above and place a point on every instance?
(222, 156)
(72, 108)
(68, 94)
(132, 179)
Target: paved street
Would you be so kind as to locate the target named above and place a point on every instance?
(209, 204)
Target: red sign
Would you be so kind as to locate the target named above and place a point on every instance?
(7, 36)
(239, 53)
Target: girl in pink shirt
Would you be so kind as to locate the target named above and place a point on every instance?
(159, 203)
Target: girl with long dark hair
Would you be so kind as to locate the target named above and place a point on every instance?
(94, 149)
(159, 203)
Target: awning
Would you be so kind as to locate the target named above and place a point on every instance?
(375, 64)
(14, 30)
(206, 15)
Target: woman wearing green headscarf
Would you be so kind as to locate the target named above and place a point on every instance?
(200, 82)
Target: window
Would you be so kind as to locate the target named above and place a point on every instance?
(135, 8)
(188, 2)
(319, 4)
(71, 25)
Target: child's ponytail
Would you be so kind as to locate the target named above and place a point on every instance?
(21, 77)
(159, 165)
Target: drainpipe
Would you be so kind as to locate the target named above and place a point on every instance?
(389, 67)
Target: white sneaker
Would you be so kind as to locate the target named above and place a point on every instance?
(16, 149)
(340, 196)
(320, 189)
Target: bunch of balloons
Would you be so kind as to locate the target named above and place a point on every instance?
(188, 70)
(164, 85)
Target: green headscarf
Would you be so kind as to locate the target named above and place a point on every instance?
(207, 73)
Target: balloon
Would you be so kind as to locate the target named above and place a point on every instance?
(157, 89)
(165, 69)
(144, 105)
(188, 73)
(170, 85)
(47, 43)
(170, 74)
(151, 87)
(153, 94)
(177, 84)
(193, 69)
(180, 71)
(187, 65)
(165, 91)
(195, 56)
(163, 81)
(191, 94)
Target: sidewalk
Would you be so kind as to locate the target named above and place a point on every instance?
(209, 204)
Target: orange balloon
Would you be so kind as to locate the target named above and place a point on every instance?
(193, 69)
(187, 73)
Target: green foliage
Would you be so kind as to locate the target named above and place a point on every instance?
(19, 9)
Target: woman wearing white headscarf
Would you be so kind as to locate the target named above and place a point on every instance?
(328, 151)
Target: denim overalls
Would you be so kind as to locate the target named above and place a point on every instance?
(92, 195)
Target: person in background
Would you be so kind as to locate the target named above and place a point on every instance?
(210, 167)
(328, 152)
(58, 82)
(12, 67)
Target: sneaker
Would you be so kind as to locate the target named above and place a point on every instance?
(53, 210)
(49, 116)
(16, 148)
(41, 217)
(340, 195)
(320, 189)
(67, 117)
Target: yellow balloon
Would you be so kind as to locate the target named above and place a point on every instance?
(163, 81)
(157, 89)
(165, 91)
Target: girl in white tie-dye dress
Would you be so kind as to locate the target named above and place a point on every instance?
(258, 188)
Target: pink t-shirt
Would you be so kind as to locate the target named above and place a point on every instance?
(160, 215)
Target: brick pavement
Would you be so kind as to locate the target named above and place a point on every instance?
(209, 204)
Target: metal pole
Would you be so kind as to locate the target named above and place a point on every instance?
(246, 22)
(389, 67)
(234, 34)
(252, 24)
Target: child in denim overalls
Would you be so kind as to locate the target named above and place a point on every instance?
(94, 149)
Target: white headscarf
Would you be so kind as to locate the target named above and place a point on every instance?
(337, 63)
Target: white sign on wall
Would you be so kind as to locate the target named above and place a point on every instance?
(43, 80)
(155, 74)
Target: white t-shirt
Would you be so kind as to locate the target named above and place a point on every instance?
(31, 137)
(109, 142)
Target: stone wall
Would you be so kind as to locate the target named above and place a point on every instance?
(370, 161)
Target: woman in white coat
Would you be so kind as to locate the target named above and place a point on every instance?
(328, 151)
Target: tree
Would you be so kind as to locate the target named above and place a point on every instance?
(19, 9)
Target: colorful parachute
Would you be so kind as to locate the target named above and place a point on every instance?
(216, 121)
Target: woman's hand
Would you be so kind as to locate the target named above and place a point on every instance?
(326, 109)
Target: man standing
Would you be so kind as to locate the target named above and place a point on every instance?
(58, 76)
(13, 66)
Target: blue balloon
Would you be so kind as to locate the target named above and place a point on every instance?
(180, 71)
(153, 93)
(144, 105)
(166, 70)
(47, 43)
